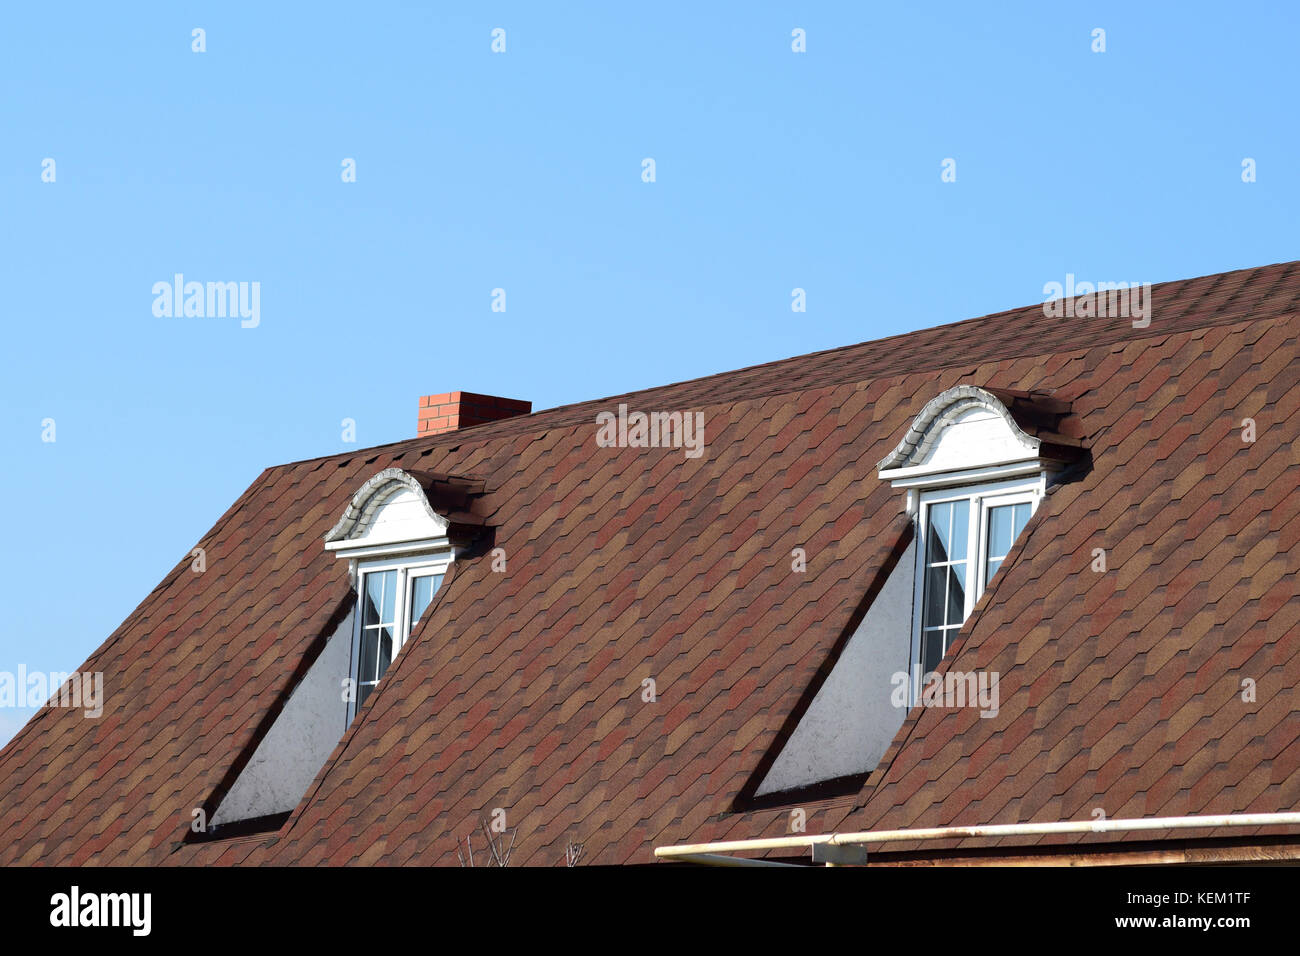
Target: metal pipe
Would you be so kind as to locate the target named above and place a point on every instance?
(990, 830)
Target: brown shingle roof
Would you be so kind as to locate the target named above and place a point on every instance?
(522, 690)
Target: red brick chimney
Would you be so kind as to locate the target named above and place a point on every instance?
(453, 411)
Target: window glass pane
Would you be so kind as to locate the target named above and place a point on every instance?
(956, 593)
(1000, 534)
(1021, 519)
(381, 595)
(931, 650)
(363, 691)
(934, 596)
(1005, 524)
(422, 590)
(369, 641)
(940, 532)
(390, 596)
(370, 604)
(385, 649)
(960, 529)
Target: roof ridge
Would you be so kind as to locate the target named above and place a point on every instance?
(555, 417)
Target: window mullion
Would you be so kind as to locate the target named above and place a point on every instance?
(982, 557)
(920, 576)
(972, 554)
(400, 623)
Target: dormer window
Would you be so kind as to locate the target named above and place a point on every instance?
(975, 464)
(965, 534)
(393, 596)
(398, 551)
(400, 533)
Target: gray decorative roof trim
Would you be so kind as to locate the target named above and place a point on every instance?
(371, 496)
(941, 411)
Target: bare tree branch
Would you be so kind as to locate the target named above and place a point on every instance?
(498, 854)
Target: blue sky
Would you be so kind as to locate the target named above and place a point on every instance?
(522, 170)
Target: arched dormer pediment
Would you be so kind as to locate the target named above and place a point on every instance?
(390, 512)
(968, 432)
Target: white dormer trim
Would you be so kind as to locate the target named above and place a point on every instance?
(963, 436)
(390, 514)
(943, 410)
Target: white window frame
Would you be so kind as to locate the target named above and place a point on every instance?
(987, 504)
(407, 567)
(981, 497)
